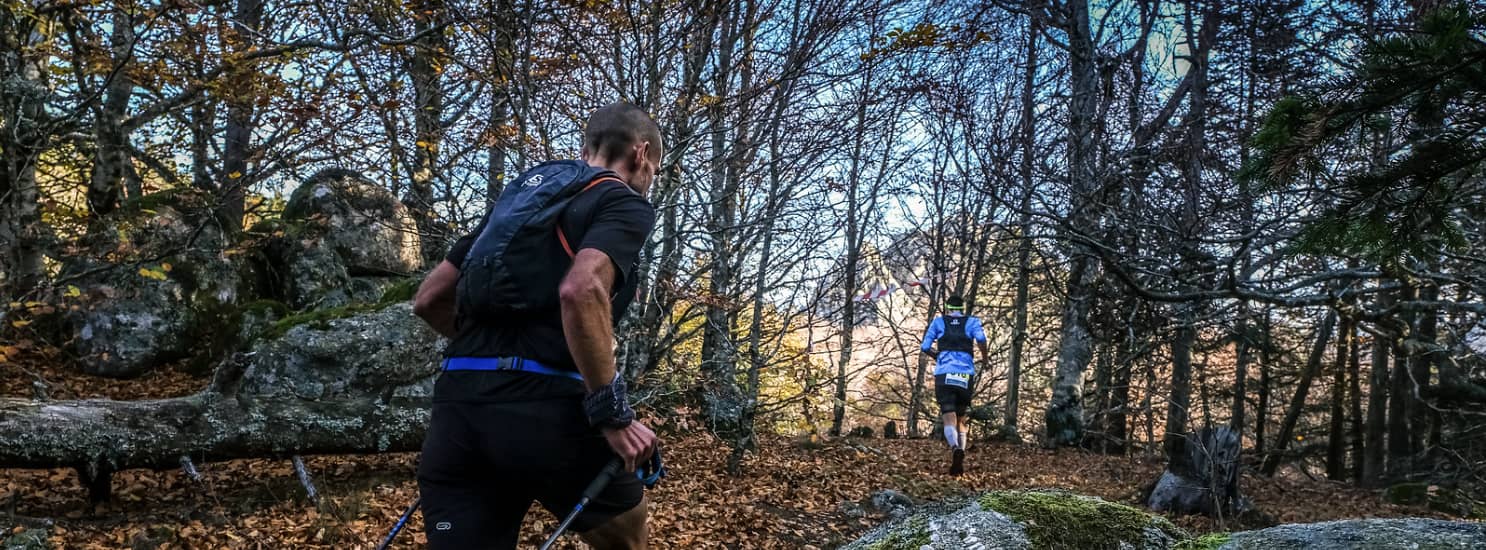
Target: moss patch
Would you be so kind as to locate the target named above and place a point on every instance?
(1210, 541)
(912, 535)
(401, 291)
(1408, 494)
(1055, 519)
(318, 319)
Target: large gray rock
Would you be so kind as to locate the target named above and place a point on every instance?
(1203, 477)
(153, 285)
(1364, 534)
(967, 527)
(363, 223)
(384, 351)
(1025, 520)
(340, 241)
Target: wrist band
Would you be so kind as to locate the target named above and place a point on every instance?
(608, 407)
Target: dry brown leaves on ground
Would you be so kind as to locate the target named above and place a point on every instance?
(789, 496)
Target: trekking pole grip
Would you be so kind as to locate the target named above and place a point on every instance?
(598, 483)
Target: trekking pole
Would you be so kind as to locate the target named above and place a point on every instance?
(402, 521)
(593, 490)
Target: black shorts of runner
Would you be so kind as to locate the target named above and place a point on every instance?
(499, 441)
(952, 399)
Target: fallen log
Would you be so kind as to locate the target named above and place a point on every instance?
(354, 385)
(99, 437)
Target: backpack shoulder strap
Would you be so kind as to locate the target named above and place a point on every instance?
(562, 237)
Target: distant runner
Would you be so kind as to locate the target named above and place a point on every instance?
(954, 366)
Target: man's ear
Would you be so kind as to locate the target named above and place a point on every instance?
(642, 153)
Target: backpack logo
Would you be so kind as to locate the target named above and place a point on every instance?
(533, 181)
(443, 526)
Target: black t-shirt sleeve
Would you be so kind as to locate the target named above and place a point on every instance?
(461, 247)
(621, 223)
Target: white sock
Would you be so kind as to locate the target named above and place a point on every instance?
(963, 436)
(952, 436)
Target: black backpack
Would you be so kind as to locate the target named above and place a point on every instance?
(516, 263)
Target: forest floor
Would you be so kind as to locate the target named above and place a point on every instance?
(789, 496)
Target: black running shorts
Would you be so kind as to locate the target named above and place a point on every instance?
(524, 439)
(952, 398)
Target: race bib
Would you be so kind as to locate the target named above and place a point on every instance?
(957, 380)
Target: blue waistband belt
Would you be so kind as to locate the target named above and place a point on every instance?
(507, 363)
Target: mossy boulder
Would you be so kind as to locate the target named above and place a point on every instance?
(1026, 520)
(150, 284)
(1059, 519)
(946, 526)
(1364, 534)
(375, 349)
(358, 220)
(341, 240)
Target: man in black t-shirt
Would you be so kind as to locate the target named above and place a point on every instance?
(500, 439)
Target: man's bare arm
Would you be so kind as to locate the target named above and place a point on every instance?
(587, 322)
(586, 317)
(434, 302)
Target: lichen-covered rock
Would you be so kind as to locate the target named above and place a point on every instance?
(25, 538)
(357, 220)
(346, 353)
(340, 241)
(1060, 519)
(945, 528)
(1364, 534)
(1025, 520)
(150, 286)
(890, 502)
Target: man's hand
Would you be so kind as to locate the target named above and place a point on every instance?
(633, 443)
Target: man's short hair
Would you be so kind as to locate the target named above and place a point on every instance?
(955, 302)
(615, 128)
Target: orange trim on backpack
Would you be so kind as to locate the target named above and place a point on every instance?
(562, 238)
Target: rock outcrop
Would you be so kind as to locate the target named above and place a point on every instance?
(1059, 520)
(321, 357)
(341, 240)
(1017, 520)
(1363, 534)
(1202, 478)
(150, 285)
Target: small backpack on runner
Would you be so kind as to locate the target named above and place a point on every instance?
(515, 264)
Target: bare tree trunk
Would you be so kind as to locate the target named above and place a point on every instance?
(1313, 365)
(1065, 411)
(723, 398)
(111, 155)
(642, 352)
(1422, 414)
(1194, 143)
(1377, 407)
(237, 148)
(23, 41)
(854, 230)
(1401, 399)
(426, 68)
(1354, 401)
(1266, 362)
(1336, 439)
(1024, 229)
